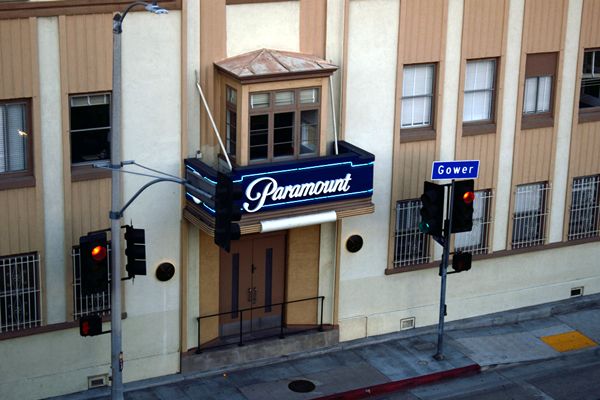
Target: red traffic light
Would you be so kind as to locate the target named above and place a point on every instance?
(99, 253)
(468, 197)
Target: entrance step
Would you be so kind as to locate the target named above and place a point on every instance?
(255, 353)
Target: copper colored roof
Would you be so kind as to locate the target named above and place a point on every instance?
(267, 63)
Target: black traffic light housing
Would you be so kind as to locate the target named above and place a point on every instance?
(94, 263)
(462, 213)
(90, 325)
(432, 209)
(461, 261)
(135, 250)
(227, 211)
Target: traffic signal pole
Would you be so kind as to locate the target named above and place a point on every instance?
(439, 355)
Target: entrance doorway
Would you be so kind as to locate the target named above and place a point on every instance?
(252, 279)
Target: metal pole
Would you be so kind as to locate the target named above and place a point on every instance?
(443, 272)
(116, 355)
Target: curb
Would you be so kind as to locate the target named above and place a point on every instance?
(402, 384)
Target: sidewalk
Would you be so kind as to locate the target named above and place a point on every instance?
(387, 363)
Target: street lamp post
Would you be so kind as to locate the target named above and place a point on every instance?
(115, 213)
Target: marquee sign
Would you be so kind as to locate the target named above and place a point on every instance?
(276, 186)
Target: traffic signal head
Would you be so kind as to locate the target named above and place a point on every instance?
(462, 213)
(432, 209)
(90, 325)
(135, 250)
(94, 263)
(227, 211)
(461, 261)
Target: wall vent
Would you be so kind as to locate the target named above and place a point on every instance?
(577, 291)
(97, 381)
(407, 323)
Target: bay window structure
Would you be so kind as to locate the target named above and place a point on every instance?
(90, 128)
(417, 96)
(476, 241)
(479, 91)
(15, 140)
(411, 246)
(284, 124)
(530, 213)
(538, 95)
(589, 97)
(585, 208)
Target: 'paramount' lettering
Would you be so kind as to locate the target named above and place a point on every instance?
(279, 193)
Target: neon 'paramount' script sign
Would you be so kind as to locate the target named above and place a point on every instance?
(276, 186)
(262, 189)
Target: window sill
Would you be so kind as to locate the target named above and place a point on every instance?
(16, 181)
(48, 328)
(88, 172)
(497, 254)
(478, 128)
(537, 121)
(416, 134)
(589, 114)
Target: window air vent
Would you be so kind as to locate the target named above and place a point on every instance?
(407, 323)
(97, 381)
(577, 291)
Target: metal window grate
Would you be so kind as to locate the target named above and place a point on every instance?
(411, 245)
(20, 292)
(585, 208)
(97, 303)
(530, 213)
(477, 240)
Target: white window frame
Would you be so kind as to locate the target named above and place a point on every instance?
(537, 98)
(14, 141)
(585, 208)
(530, 214)
(408, 236)
(20, 292)
(417, 96)
(475, 87)
(476, 241)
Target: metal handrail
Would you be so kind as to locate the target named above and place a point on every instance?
(241, 311)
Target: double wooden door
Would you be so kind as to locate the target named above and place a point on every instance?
(252, 284)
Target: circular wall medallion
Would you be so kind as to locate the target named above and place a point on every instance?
(301, 386)
(165, 271)
(354, 243)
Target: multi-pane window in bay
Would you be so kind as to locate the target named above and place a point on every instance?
(480, 81)
(411, 246)
(590, 80)
(90, 128)
(585, 208)
(20, 292)
(284, 124)
(477, 240)
(231, 121)
(530, 214)
(417, 95)
(14, 137)
(95, 303)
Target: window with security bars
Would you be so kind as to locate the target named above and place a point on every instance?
(411, 245)
(529, 218)
(585, 208)
(476, 241)
(98, 303)
(20, 292)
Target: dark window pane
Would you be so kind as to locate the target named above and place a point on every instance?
(283, 135)
(90, 146)
(259, 122)
(87, 117)
(259, 152)
(309, 134)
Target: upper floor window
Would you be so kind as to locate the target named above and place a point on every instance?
(15, 143)
(231, 121)
(585, 207)
(589, 98)
(417, 96)
(90, 128)
(540, 73)
(529, 218)
(284, 124)
(479, 93)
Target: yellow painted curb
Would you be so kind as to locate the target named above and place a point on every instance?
(568, 341)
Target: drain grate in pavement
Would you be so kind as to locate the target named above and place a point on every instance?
(301, 386)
